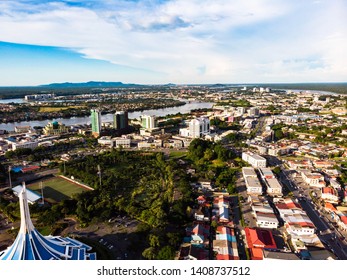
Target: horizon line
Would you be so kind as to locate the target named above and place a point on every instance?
(176, 84)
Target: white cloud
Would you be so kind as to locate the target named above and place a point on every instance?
(192, 41)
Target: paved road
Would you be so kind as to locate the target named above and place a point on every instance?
(260, 126)
(326, 232)
(235, 209)
(328, 239)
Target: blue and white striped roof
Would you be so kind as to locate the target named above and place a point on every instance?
(31, 245)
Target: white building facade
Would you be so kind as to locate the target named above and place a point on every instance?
(253, 159)
(199, 127)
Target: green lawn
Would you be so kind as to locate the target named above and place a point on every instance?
(218, 163)
(177, 154)
(56, 189)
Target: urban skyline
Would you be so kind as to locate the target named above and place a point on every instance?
(154, 42)
(252, 173)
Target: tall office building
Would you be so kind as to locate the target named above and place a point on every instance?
(199, 127)
(148, 122)
(120, 120)
(96, 122)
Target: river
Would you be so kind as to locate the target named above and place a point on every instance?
(109, 117)
(12, 100)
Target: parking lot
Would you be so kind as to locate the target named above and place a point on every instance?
(118, 236)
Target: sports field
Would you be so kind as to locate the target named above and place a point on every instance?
(56, 189)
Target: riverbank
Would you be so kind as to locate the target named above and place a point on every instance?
(43, 111)
(186, 108)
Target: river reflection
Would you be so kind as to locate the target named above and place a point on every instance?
(109, 117)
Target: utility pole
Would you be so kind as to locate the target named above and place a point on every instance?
(9, 176)
(99, 172)
(41, 185)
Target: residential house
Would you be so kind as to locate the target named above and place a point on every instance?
(221, 208)
(314, 179)
(225, 244)
(329, 195)
(297, 223)
(258, 240)
(193, 252)
(199, 233)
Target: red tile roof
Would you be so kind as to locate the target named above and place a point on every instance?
(30, 168)
(288, 204)
(344, 219)
(302, 224)
(260, 238)
(327, 190)
(256, 253)
(329, 206)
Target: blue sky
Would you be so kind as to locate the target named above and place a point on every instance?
(177, 41)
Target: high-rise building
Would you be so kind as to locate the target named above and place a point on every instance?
(32, 245)
(148, 122)
(199, 127)
(120, 120)
(96, 122)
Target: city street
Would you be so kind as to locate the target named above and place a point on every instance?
(235, 210)
(326, 235)
(325, 229)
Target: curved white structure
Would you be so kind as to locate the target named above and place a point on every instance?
(31, 245)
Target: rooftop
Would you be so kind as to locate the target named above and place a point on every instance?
(257, 237)
(273, 183)
(249, 171)
(32, 197)
(280, 255)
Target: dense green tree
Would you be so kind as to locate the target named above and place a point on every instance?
(278, 134)
(276, 170)
(174, 238)
(142, 185)
(149, 253)
(166, 253)
(154, 240)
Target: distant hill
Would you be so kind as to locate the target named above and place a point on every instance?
(91, 84)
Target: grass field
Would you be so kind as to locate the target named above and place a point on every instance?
(57, 109)
(56, 189)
